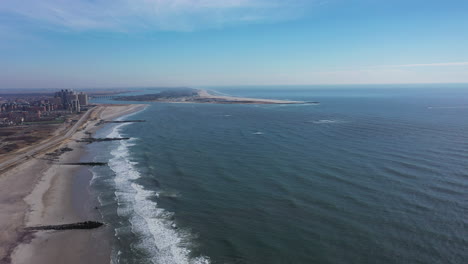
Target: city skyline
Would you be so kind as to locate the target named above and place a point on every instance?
(83, 44)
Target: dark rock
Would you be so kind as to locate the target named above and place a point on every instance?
(80, 225)
(85, 163)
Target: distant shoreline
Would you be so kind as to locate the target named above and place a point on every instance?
(189, 95)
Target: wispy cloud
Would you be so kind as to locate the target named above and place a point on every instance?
(442, 64)
(180, 15)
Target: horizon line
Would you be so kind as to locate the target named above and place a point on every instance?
(230, 85)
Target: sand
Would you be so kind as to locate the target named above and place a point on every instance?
(204, 94)
(37, 192)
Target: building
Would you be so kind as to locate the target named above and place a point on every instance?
(56, 101)
(76, 106)
(83, 98)
(70, 100)
(64, 95)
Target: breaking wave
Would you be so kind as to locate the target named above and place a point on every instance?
(160, 238)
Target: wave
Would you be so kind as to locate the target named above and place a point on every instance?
(448, 107)
(159, 237)
(326, 121)
(168, 194)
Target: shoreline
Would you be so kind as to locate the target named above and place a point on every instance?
(47, 193)
(201, 96)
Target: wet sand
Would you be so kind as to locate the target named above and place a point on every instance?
(38, 192)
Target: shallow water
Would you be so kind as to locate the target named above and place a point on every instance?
(368, 176)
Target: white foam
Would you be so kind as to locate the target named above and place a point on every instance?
(95, 176)
(448, 107)
(160, 239)
(169, 194)
(326, 121)
(258, 133)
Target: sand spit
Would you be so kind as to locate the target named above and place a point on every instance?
(189, 95)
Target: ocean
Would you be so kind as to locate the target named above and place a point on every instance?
(369, 175)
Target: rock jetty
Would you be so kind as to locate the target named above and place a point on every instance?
(80, 225)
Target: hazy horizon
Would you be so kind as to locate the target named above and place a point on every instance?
(266, 86)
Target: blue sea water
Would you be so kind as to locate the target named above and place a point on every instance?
(370, 175)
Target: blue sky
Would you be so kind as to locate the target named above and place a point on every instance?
(122, 43)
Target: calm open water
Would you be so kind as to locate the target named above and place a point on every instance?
(374, 175)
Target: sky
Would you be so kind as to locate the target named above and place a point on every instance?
(144, 43)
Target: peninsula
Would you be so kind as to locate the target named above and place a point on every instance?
(190, 95)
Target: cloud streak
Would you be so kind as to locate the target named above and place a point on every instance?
(166, 15)
(442, 64)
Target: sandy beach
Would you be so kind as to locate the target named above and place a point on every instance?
(39, 192)
(204, 94)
